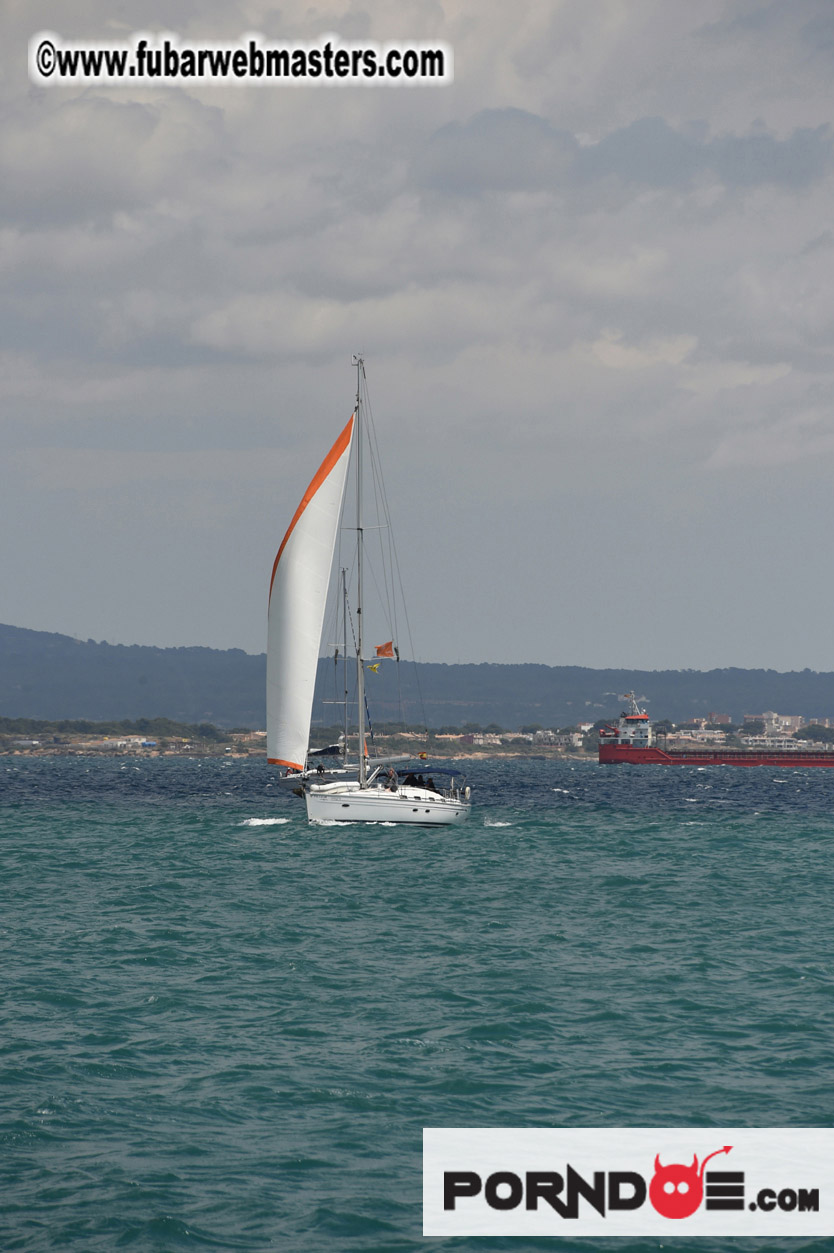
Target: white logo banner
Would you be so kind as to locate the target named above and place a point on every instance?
(635, 1181)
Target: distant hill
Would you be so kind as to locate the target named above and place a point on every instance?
(45, 675)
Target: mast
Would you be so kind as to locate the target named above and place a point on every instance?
(360, 673)
(345, 662)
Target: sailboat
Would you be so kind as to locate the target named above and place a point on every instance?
(298, 592)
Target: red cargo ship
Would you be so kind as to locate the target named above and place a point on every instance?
(631, 740)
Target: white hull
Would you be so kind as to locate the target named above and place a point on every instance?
(347, 802)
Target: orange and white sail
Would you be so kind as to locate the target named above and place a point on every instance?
(297, 598)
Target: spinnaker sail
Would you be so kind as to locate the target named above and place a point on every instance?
(297, 598)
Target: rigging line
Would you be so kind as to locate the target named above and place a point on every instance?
(379, 593)
(376, 462)
(385, 591)
(412, 650)
(381, 496)
(381, 503)
(396, 570)
(355, 647)
(394, 557)
(370, 725)
(322, 682)
(342, 564)
(385, 559)
(352, 632)
(400, 708)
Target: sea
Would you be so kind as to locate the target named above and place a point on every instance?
(225, 1029)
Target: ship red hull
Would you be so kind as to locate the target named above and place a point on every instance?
(617, 754)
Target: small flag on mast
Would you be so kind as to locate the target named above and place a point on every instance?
(385, 650)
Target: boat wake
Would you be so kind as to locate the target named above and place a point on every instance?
(263, 822)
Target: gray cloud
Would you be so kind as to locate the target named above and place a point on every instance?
(511, 150)
(87, 158)
(497, 150)
(592, 279)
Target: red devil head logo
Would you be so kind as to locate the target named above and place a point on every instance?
(676, 1191)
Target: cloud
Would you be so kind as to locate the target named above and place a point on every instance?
(51, 172)
(617, 355)
(508, 149)
(106, 469)
(496, 150)
(710, 377)
(819, 243)
(793, 438)
(603, 255)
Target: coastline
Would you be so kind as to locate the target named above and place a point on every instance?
(446, 753)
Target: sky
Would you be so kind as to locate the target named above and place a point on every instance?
(592, 279)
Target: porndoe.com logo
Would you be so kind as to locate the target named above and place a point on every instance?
(638, 1181)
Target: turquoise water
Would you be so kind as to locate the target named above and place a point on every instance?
(225, 1029)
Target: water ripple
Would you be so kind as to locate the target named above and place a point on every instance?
(225, 1029)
